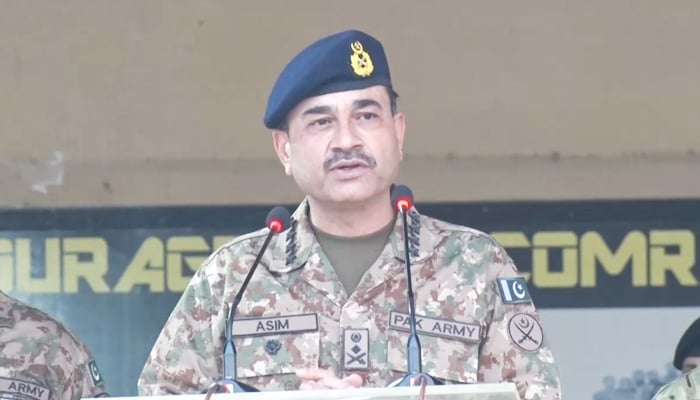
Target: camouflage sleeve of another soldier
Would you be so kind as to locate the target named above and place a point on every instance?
(186, 356)
(87, 380)
(515, 347)
(37, 352)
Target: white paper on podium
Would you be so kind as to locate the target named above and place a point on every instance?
(481, 391)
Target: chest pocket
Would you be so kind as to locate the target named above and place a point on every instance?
(269, 361)
(450, 360)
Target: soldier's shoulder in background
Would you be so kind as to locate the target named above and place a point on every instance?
(685, 387)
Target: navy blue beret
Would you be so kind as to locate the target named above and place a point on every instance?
(689, 345)
(348, 60)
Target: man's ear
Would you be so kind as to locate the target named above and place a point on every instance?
(280, 141)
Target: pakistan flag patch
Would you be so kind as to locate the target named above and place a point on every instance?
(94, 373)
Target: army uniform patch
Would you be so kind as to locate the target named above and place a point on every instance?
(272, 347)
(283, 324)
(22, 390)
(525, 332)
(514, 291)
(436, 327)
(94, 373)
(356, 349)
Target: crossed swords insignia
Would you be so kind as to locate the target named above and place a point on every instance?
(525, 323)
(360, 358)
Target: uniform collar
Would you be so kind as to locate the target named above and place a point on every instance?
(298, 242)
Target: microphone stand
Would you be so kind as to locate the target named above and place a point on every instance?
(277, 219)
(402, 198)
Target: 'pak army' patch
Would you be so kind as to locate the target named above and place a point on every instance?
(22, 390)
(436, 327)
(514, 291)
(356, 349)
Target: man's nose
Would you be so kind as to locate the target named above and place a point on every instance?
(346, 137)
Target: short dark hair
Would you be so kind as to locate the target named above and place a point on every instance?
(393, 103)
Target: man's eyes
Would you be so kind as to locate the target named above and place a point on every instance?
(368, 116)
(322, 122)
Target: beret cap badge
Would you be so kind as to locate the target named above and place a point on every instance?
(360, 61)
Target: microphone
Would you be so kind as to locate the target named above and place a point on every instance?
(402, 200)
(277, 220)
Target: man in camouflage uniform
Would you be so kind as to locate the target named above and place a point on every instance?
(328, 306)
(40, 359)
(686, 358)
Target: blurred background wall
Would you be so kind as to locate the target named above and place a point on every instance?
(160, 102)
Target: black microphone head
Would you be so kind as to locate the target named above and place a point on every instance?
(278, 219)
(401, 197)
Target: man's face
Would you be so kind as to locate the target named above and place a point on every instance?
(690, 363)
(343, 147)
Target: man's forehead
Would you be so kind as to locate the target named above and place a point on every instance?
(339, 99)
(692, 360)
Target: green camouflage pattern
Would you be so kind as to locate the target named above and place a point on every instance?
(41, 359)
(454, 271)
(685, 387)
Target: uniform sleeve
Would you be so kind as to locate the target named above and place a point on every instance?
(515, 347)
(184, 356)
(75, 368)
(86, 381)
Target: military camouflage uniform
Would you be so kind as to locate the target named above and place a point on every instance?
(685, 387)
(468, 332)
(40, 359)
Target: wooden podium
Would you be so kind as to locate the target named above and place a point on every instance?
(480, 391)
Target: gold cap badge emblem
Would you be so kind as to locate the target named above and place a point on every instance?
(360, 61)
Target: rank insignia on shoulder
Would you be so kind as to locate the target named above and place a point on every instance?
(514, 291)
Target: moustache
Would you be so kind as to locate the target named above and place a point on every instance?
(344, 155)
